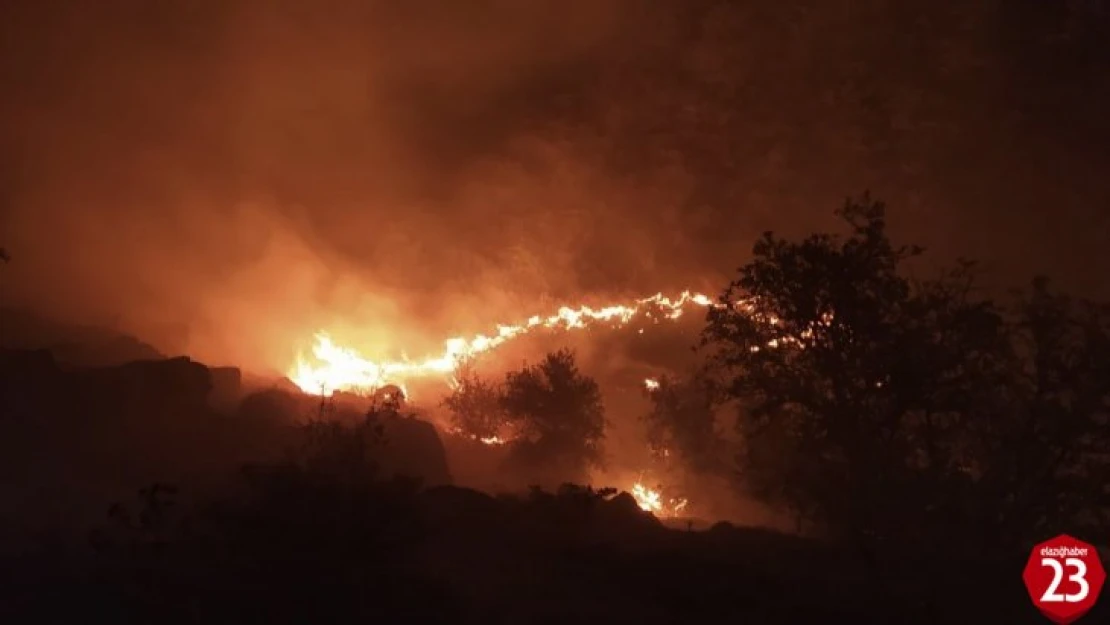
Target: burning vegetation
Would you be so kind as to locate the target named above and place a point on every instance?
(868, 410)
(240, 231)
(334, 368)
(652, 501)
(479, 409)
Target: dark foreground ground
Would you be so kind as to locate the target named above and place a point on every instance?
(323, 541)
(303, 552)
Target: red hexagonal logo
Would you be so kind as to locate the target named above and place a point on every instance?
(1064, 577)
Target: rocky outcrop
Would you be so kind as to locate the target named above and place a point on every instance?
(72, 439)
(30, 384)
(176, 381)
(26, 369)
(274, 404)
(413, 448)
(74, 345)
(227, 386)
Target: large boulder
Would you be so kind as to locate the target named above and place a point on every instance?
(32, 388)
(227, 386)
(274, 405)
(178, 381)
(413, 448)
(19, 362)
(71, 344)
(27, 373)
(105, 351)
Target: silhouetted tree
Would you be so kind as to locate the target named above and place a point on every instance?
(1049, 441)
(861, 385)
(682, 424)
(889, 411)
(558, 414)
(475, 406)
(856, 385)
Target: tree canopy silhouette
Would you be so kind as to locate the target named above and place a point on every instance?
(550, 414)
(557, 412)
(883, 408)
(475, 405)
(682, 424)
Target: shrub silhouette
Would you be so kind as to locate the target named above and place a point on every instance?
(552, 413)
(475, 406)
(558, 415)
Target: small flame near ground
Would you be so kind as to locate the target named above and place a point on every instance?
(648, 499)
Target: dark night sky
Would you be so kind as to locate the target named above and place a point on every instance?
(227, 176)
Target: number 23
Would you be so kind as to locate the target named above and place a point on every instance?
(1079, 577)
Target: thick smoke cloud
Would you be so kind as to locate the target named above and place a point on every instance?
(224, 178)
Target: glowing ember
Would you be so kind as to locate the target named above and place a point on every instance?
(652, 501)
(492, 441)
(333, 368)
(651, 384)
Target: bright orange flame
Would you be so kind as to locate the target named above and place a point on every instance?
(333, 368)
(652, 501)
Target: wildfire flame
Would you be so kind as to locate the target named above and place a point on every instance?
(652, 501)
(334, 368)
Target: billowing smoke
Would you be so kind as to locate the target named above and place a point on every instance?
(224, 178)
